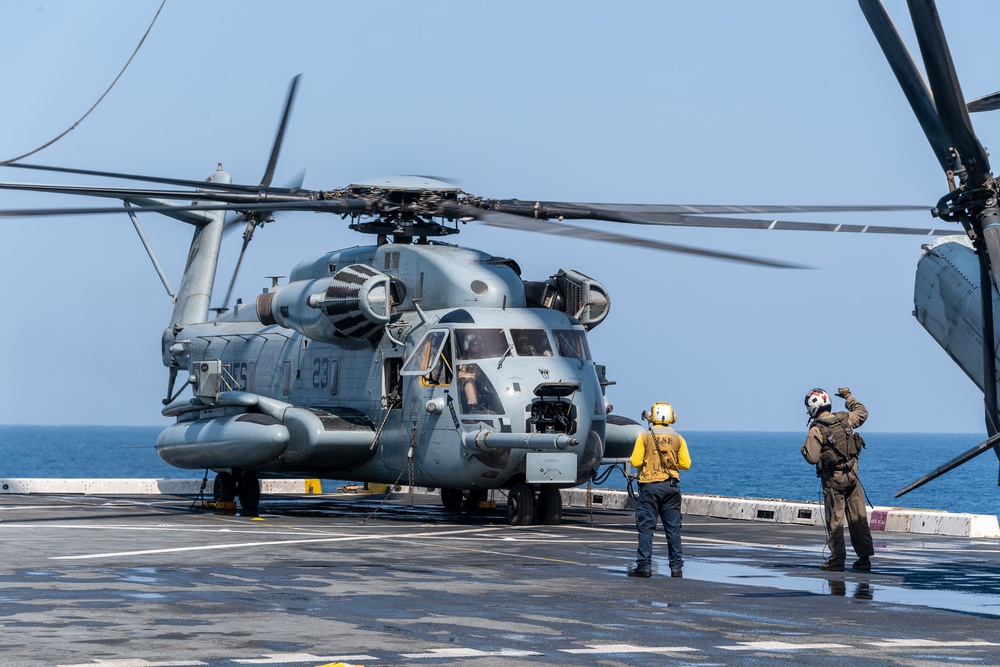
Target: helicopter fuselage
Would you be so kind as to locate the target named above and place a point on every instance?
(396, 363)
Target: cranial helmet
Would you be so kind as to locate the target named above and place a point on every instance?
(817, 400)
(661, 414)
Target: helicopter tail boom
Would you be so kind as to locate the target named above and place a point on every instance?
(194, 296)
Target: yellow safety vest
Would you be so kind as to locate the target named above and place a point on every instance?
(659, 462)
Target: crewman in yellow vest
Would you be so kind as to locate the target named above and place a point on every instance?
(659, 455)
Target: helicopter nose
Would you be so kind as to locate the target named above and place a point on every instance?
(554, 408)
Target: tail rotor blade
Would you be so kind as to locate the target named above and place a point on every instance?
(989, 102)
(947, 92)
(910, 80)
(276, 149)
(239, 262)
(964, 457)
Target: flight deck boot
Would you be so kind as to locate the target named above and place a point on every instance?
(833, 566)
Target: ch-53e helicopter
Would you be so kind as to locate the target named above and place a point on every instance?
(955, 294)
(408, 359)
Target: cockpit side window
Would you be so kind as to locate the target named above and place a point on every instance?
(440, 373)
(481, 343)
(428, 353)
(572, 343)
(477, 394)
(531, 342)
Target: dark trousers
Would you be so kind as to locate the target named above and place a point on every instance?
(663, 500)
(844, 500)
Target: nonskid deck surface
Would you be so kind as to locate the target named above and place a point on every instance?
(151, 581)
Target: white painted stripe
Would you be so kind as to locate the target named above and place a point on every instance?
(244, 545)
(469, 653)
(284, 658)
(131, 486)
(627, 648)
(927, 643)
(136, 662)
(209, 547)
(779, 646)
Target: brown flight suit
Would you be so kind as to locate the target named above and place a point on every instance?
(843, 496)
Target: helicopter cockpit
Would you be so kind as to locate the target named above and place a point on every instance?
(475, 381)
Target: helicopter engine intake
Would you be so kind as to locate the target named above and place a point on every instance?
(353, 305)
(573, 293)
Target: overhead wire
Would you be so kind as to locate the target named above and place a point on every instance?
(94, 106)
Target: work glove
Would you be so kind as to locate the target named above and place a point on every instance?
(844, 392)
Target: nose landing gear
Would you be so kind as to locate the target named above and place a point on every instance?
(539, 504)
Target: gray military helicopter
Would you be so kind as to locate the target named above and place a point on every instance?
(955, 295)
(410, 360)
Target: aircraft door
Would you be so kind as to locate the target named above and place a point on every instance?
(428, 377)
(392, 387)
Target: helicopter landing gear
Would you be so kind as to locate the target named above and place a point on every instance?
(541, 505)
(474, 501)
(224, 489)
(548, 507)
(470, 499)
(243, 484)
(248, 491)
(521, 505)
(451, 499)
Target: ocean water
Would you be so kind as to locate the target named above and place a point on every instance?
(770, 465)
(725, 463)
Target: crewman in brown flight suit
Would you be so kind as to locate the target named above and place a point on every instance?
(833, 447)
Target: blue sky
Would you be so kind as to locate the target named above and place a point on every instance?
(646, 102)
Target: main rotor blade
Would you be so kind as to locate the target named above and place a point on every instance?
(136, 193)
(989, 102)
(508, 221)
(947, 92)
(337, 206)
(690, 216)
(715, 209)
(910, 80)
(149, 179)
(279, 138)
(964, 457)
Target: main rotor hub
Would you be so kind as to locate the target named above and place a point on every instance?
(406, 207)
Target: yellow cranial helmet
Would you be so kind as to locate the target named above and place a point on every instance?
(662, 414)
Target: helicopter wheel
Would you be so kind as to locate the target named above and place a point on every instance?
(224, 488)
(451, 499)
(476, 496)
(549, 506)
(249, 492)
(520, 505)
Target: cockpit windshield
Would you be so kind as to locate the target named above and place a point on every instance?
(481, 343)
(531, 342)
(572, 343)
